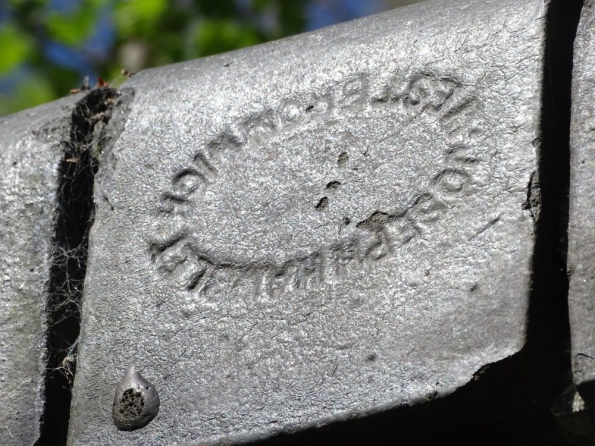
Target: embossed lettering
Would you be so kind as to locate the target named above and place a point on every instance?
(377, 238)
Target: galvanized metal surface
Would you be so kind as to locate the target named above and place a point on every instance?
(30, 155)
(581, 249)
(317, 228)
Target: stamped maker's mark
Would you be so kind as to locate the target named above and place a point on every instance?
(418, 94)
(377, 237)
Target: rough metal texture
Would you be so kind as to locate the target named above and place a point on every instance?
(30, 156)
(136, 402)
(581, 248)
(317, 228)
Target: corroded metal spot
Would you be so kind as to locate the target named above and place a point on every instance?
(136, 402)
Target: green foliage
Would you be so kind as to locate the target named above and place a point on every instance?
(147, 33)
(29, 92)
(217, 36)
(15, 47)
(136, 18)
(73, 28)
